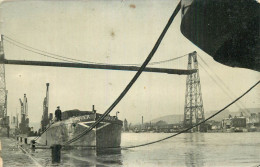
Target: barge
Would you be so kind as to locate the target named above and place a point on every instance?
(106, 134)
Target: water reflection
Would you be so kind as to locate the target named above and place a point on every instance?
(194, 155)
(190, 149)
(92, 157)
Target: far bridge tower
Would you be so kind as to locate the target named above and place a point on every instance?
(193, 109)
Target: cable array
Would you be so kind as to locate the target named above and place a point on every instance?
(186, 130)
(191, 127)
(72, 60)
(220, 83)
(136, 76)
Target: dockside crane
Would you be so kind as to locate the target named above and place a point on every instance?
(22, 112)
(24, 125)
(45, 118)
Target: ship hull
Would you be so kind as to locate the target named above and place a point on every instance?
(106, 134)
(227, 30)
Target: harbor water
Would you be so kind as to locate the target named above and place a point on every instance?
(189, 149)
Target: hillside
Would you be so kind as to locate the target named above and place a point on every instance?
(173, 119)
(170, 119)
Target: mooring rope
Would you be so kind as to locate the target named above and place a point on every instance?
(37, 137)
(187, 129)
(130, 84)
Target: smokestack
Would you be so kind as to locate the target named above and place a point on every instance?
(93, 108)
(142, 120)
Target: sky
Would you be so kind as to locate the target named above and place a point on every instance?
(116, 32)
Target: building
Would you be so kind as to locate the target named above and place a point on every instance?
(239, 122)
(226, 123)
(254, 119)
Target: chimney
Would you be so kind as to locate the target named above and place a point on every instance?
(93, 108)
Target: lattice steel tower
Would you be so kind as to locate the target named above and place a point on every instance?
(193, 109)
(4, 119)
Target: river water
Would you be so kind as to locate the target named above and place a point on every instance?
(189, 149)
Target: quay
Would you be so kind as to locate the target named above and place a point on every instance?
(13, 153)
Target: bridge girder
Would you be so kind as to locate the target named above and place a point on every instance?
(98, 66)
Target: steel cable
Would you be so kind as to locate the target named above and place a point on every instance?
(38, 52)
(218, 82)
(10, 39)
(67, 59)
(187, 129)
(37, 137)
(130, 84)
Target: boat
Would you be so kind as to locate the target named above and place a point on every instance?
(106, 134)
(238, 129)
(227, 30)
(252, 128)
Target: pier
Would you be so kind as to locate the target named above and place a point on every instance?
(13, 153)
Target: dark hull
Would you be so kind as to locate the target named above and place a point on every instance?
(107, 134)
(228, 30)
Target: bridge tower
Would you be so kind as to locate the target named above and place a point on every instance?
(193, 109)
(4, 119)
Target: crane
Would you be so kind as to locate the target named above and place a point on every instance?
(45, 118)
(24, 125)
(22, 111)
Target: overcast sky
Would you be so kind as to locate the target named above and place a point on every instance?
(115, 31)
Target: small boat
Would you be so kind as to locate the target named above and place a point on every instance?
(238, 129)
(252, 129)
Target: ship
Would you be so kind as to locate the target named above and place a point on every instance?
(227, 30)
(107, 134)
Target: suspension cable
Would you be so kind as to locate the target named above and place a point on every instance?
(38, 52)
(224, 85)
(63, 58)
(24, 45)
(169, 60)
(221, 81)
(215, 81)
(218, 84)
(130, 84)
